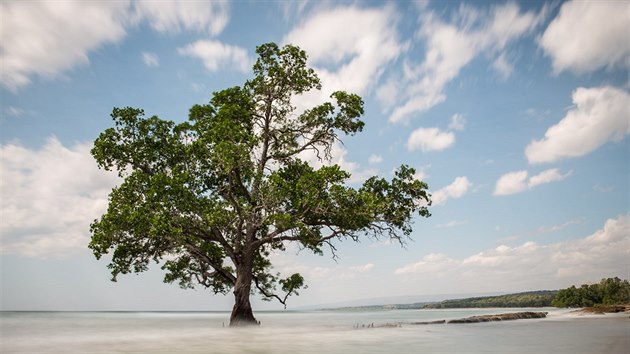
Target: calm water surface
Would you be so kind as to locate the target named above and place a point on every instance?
(309, 332)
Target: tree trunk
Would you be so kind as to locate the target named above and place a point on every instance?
(242, 314)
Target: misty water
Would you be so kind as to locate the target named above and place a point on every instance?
(310, 332)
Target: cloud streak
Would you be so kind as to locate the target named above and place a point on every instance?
(449, 48)
(174, 16)
(45, 39)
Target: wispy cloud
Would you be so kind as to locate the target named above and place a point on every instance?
(174, 16)
(451, 224)
(517, 182)
(449, 48)
(558, 227)
(458, 122)
(45, 39)
(14, 111)
(150, 59)
(216, 55)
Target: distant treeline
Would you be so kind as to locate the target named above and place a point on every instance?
(609, 291)
(542, 298)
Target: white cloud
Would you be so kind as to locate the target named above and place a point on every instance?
(452, 46)
(605, 253)
(451, 224)
(49, 198)
(511, 183)
(457, 189)
(588, 35)
(457, 122)
(434, 262)
(547, 176)
(349, 58)
(173, 16)
(150, 59)
(216, 55)
(45, 38)
(348, 46)
(362, 268)
(600, 115)
(375, 159)
(430, 139)
(517, 182)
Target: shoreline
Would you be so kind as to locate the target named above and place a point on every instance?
(466, 320)
(602, 310)
(618, 311)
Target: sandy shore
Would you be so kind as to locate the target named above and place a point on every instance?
(602, 310)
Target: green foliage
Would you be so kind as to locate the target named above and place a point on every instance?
(526, 299)
(609, 291)
(212, 197)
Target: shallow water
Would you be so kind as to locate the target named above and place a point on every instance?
(309, 332)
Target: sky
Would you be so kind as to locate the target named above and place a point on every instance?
(516, 114)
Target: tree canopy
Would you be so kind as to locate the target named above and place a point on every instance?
(541, 298)
(210, 198)
(609, 291)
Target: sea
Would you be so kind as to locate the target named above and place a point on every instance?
(325, 332)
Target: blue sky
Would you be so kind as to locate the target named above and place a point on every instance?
(515, 113)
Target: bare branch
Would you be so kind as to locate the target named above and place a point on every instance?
(264, 292)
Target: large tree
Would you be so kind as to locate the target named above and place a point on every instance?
(212, 197)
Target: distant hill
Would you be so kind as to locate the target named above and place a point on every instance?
(541, 298)
(414, 306)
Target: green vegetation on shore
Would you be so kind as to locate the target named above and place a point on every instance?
(414, 306)
(527, 299)
(609, 291)
(603, 296)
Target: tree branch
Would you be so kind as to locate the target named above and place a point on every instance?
(273, 237)
(205, 259)
(214, 235)
(269, 295)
